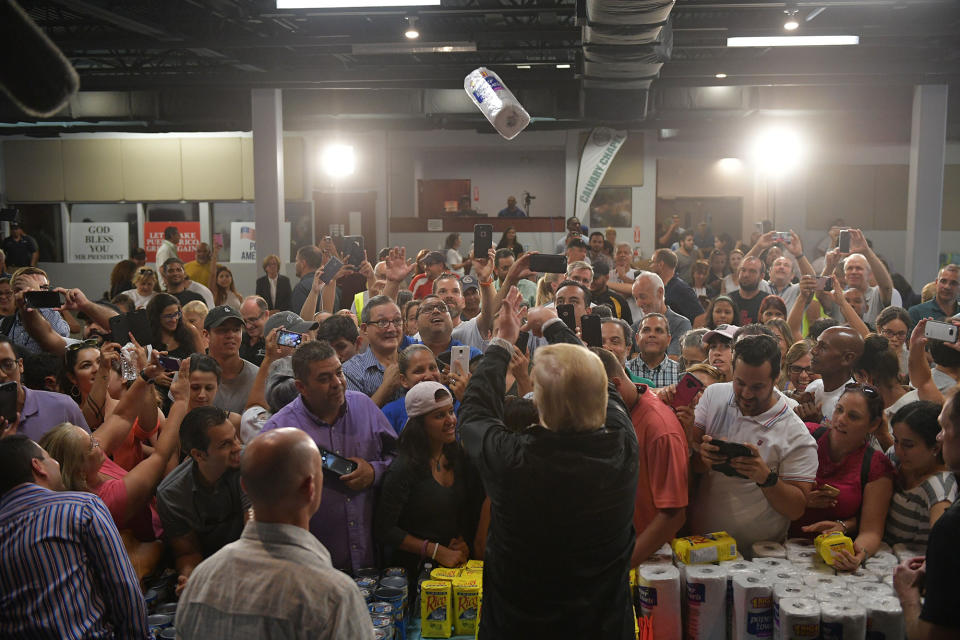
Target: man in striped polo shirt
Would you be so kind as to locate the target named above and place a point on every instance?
(65, 571)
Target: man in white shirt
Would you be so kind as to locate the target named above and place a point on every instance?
(267, 582)
(858, 267)
(833, 357)
(168, 248)
(753, 497)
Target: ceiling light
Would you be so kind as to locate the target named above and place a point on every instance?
(351, 4)
(721, 76)
(411, 32)
(563, 66)
(729, 165)
(381, 48)
(791, 24)
(338, 160)
(777, 150)
(523, 66)
(792, 41)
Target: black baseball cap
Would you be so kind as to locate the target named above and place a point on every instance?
(219, 315)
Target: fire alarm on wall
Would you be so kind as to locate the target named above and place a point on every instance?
(476, 194)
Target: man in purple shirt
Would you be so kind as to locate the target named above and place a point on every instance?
(39, 411)
(350, 425)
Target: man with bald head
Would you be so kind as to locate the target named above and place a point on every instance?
(277, 579)
(648, 292)
(833, 357)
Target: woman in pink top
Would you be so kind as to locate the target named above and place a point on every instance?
(854, 481)
(84, 464)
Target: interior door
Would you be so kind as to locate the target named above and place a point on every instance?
(334, 208)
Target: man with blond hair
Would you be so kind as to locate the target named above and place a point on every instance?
(563, 488)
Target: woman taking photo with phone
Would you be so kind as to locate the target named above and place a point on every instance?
(430, 498)
(854, 481)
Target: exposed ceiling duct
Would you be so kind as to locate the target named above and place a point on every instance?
(625, 43)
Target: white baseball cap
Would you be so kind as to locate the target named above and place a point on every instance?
(425, 397)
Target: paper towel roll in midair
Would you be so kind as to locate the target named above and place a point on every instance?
(768, 549)
(846, 620)
(787, 590)
(799, 619)
(496, 102)
(752, 607)
(869, 589)
(705, 602)
(884, 618)
(659, 587)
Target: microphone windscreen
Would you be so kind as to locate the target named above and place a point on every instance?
(34, 73)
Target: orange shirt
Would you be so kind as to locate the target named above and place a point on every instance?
(662, 482)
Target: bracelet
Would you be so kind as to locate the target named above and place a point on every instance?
(436, 546)
(488, 283)
(844, 525)
(423, 549)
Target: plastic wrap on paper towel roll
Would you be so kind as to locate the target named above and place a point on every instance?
(772, 564)
(659, 588)
(884, 618)
(705, 602)
(905, 551)
(752, 616)
(500, 107)
(843, 620)
(819, 581)
(870, 589)
(781, 592)
(799, 620)
(859, 574)
(835, 594)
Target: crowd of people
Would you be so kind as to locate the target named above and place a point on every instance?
(447, 406)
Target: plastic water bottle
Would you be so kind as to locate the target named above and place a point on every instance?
(496, 102)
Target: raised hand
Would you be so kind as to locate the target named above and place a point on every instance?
(397, 267)
(510, 320)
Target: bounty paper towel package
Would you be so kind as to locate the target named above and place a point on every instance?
(659, 589)
(799, 620)
(752, 616)
(705, 603)
(500, 107)
(869, 589)
(783, 591)
(843, 621)
(884, 618)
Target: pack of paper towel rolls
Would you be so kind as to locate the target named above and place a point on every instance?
(799, 619)
(884, 618)
(659, 588)
(752, 614)
(497, 103)
(705, 602)
(844, 619)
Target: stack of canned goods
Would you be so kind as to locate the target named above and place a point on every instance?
(160, 621)
(386, 597)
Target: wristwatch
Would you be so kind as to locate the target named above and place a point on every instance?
(771, 480)
(147, 379)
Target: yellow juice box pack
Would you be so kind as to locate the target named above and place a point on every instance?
(829, 545)
(436, 609)
(474, 564)
(711, 547)
(466, 605)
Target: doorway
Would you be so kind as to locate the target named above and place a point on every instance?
(336, 210)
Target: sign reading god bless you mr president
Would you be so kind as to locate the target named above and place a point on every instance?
(601, 148)
(99, 242)
(243, 240)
